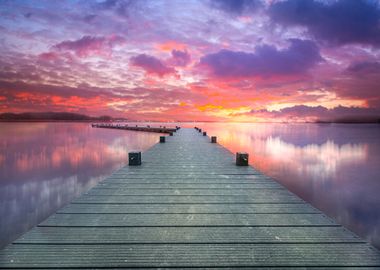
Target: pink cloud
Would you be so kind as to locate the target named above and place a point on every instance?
(90, 45)
(48, 56)
(152, 65)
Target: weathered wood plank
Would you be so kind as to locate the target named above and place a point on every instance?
(188, 199)
(187, 220)
(188, 208)
(179, 185)
(193, 255)
(191, 192)
(123, 235)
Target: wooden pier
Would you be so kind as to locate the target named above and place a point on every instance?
(188, 205)
(148, 128)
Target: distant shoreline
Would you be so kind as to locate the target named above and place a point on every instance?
(132, 121)
(30, 117)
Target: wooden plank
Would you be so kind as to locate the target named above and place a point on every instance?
(185, 180)
(124, 235)
(188, 199)
(188, 208)
(187, 220)
(164, 175)
(176, 185)
(274, 192)
(190, 255)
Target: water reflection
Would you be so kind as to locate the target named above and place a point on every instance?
(334, 167)
(45, 165)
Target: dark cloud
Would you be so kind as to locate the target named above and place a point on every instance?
(236, 7)
(89, 18)
(90, 45)
(266, 61)
(361, 80)
(364, 67)
(338, 22)
(340, 113)
(180, 58)
(151, 65)
(121, 7)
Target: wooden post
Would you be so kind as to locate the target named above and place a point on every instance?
(162, 139)
(200, 130)
(213, 139)
(204, 133)
(241, 159)
(134, 158)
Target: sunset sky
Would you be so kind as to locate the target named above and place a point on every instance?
(177, 60)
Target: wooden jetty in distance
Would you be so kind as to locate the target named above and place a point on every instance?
(148, 128)
(189, 205)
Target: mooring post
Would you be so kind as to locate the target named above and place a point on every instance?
(241, 159)
(134, 158)
(162, 139)
(171, 134)
(213, 139)
(200, 130)
(204, 133)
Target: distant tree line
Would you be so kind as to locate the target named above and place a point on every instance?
(56, 116)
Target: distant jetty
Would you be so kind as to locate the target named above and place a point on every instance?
(148, 128)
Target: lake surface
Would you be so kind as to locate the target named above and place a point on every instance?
(335, 167)
(43, 166)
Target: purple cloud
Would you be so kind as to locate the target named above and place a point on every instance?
(339, 22)
(237, 7)
(180, 58)
(364, 67)
(151, 65)
(90, 45)
(265, 62)
(361, 80)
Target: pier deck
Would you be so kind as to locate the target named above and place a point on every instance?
(188, 205)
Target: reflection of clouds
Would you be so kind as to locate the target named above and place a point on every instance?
(318, 161)
(271, 146)
(2, 159)
(44, 166)
(28, 204)
(55, 149)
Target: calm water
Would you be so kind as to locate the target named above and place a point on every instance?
(334, 167)
(43, 166)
